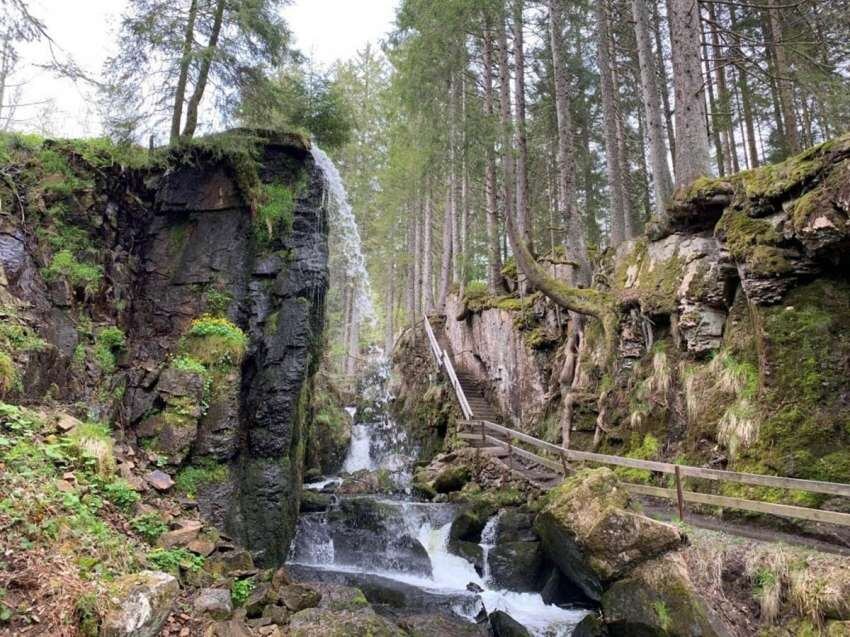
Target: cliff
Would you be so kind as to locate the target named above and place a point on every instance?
(179, 296)
(733, 342)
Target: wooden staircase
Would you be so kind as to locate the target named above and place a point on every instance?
(497, 445)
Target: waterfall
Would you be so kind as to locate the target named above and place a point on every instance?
(345, 245)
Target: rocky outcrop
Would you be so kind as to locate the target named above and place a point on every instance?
(182, 299)
(589, 532)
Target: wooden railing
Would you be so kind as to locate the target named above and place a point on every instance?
(444, 362)
(679, 495)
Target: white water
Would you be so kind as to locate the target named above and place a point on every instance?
(488, 541)
(359, 453)
(345, 245)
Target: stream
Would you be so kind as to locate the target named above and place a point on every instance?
(396, 548)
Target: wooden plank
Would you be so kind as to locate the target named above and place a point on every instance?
(814, 486)
(783, 510)
(522, 453)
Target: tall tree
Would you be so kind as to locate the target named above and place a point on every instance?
(784, 80)
(661, 180)
(692, 159)
(494, 253)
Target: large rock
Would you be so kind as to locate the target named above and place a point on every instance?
(503, 625)
(140, 605)
(214, 602)
(517, 566)
(341, 623)
(589, 532)
(440, 625)
(657, 600)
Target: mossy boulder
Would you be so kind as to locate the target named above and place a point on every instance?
(517, 566)
(341, 623)
(451, 479)
(657, 599)
(589, 532)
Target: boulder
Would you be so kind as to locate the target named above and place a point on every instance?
(470, 551)
(330, 623)
(517, 566)
(339, 597)
(656, 599)
(452, 478)
(183, 536)
(439, 625)
(314, 502)
(503, 625)
(297, 597)
(159, 480)
(141, 604)
(257, 600)
(214, 602)
(588, 531)
(590, 626)
(236, 563)
(516, 526)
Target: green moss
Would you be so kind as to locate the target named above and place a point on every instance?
(16, 337)
(194, 477)
(174, 559)
(217, 302)
(8, 373)
(741, 233)
(214, 342)
(475, 290)
(649, 449)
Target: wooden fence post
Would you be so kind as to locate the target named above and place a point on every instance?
(679, 495)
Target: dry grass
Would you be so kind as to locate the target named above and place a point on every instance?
(769, 571)
(738, 427)
(821, 590)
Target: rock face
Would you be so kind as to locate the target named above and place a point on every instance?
(176, 309)
(588, 531)
(143, 602)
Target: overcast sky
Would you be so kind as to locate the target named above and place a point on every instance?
(326, 30)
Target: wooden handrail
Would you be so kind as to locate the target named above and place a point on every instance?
(445, 362)
(813, 486)
(784, 510)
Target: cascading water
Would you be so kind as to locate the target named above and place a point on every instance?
(345, 246)
(388, 543)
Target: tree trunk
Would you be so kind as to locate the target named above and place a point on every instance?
(389, 335)
(509, 176)
(494, 253)
(746, 104)
(446, 263)
(712, 120)
(784, 80)
(427, 253)
(692, 158)
(662, 182)
(411, 272)
(522, 212)
(566, 192)
(417, 263)
(609, 116)
(662, 76)
(183, 77)
(204, 72)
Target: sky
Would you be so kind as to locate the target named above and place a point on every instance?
(326, 30)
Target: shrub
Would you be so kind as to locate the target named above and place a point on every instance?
(121, 494)
(172, 560)
(240, 590)
(150, 526)
(109, 341)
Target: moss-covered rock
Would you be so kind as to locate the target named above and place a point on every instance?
(341, 623)
(592, 536)
(657, 599)
(142, 603)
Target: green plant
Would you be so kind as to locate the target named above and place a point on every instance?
(8, 374)
(81, 275)
(662, 612)
(172, 560)
(87, 615)
(149, 525)
(214, 341)
(276, 210)
(109, 340)
(240, 590)
(218, 302)
(91, 443)
(121, 494)
(476, 289)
